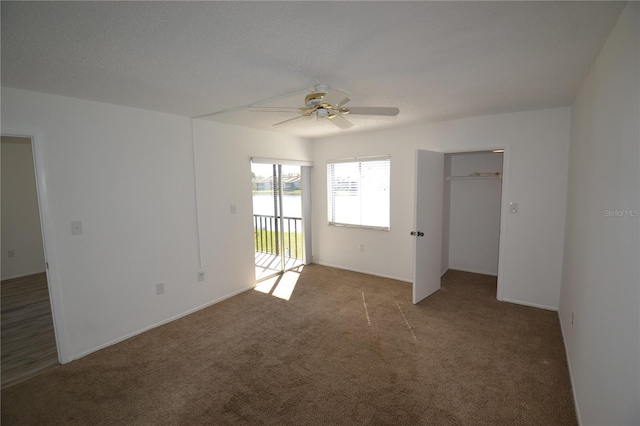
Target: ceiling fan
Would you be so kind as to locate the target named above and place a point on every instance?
(327, 103)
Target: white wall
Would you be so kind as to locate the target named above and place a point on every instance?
(128, 175)
(601, 281)
(21, 231)
(474, 234)
(223, 155)
(538, 153)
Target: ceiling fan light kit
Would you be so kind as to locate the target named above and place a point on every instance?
(322, 113)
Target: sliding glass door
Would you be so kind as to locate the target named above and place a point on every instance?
(277, 218)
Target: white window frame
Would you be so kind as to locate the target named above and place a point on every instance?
(331, 215)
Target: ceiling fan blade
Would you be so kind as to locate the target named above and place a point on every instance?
(334, 97)
(344, 101)
(374, 110)
(275, 109)
(292, 120)
(340, 122)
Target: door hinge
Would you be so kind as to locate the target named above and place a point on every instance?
(47, 264)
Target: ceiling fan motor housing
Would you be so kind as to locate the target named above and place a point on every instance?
(314, 99)
(322, 87)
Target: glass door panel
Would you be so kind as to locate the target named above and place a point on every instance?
(277, 218)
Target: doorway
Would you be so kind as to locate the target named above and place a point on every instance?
(472, 212)
(28, 338)
(277, 218)
(485, 253)
(471, 218)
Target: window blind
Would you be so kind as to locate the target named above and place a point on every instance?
(359, 192)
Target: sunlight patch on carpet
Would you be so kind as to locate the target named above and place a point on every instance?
(266, 285)
(280, 286)
(286, 285)
(366, 311)
(406, 321)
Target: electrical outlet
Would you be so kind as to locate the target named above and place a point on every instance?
(12, 253)
(361, 248)
(201, 276)
(159, 288)
(234, 209)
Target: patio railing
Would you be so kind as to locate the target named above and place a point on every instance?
(266, 235)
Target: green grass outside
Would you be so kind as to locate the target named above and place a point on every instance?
(267, 244)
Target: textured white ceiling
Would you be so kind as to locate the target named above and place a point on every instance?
(433, 60)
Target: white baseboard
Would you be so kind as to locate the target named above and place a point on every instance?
(158, 324)
(445, 271)
(533, 305)
(362, 272)
(473, 271)
(26, 274)
(573, 386)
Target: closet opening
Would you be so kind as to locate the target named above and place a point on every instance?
(472, 214)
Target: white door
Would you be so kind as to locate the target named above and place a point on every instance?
(427, 232)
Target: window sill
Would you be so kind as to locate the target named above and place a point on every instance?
(347, 225)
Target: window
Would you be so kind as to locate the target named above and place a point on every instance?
(358, 192)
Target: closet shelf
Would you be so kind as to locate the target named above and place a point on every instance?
(477, 176)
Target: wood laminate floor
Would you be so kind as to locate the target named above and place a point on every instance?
(28, 340)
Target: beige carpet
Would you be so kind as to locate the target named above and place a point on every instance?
(458, 358)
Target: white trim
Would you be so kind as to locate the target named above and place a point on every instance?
(573, 386)
(502, 253)
(350, 225)
(48, 237)
(160, 323)
(533, 305)
(25, 274)
(359, 159)
(307, 214)
(283, 262)
(330, 265)
(195, 186)
(473, 271)
(284, 162)
(475, 149)
(445, 271)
